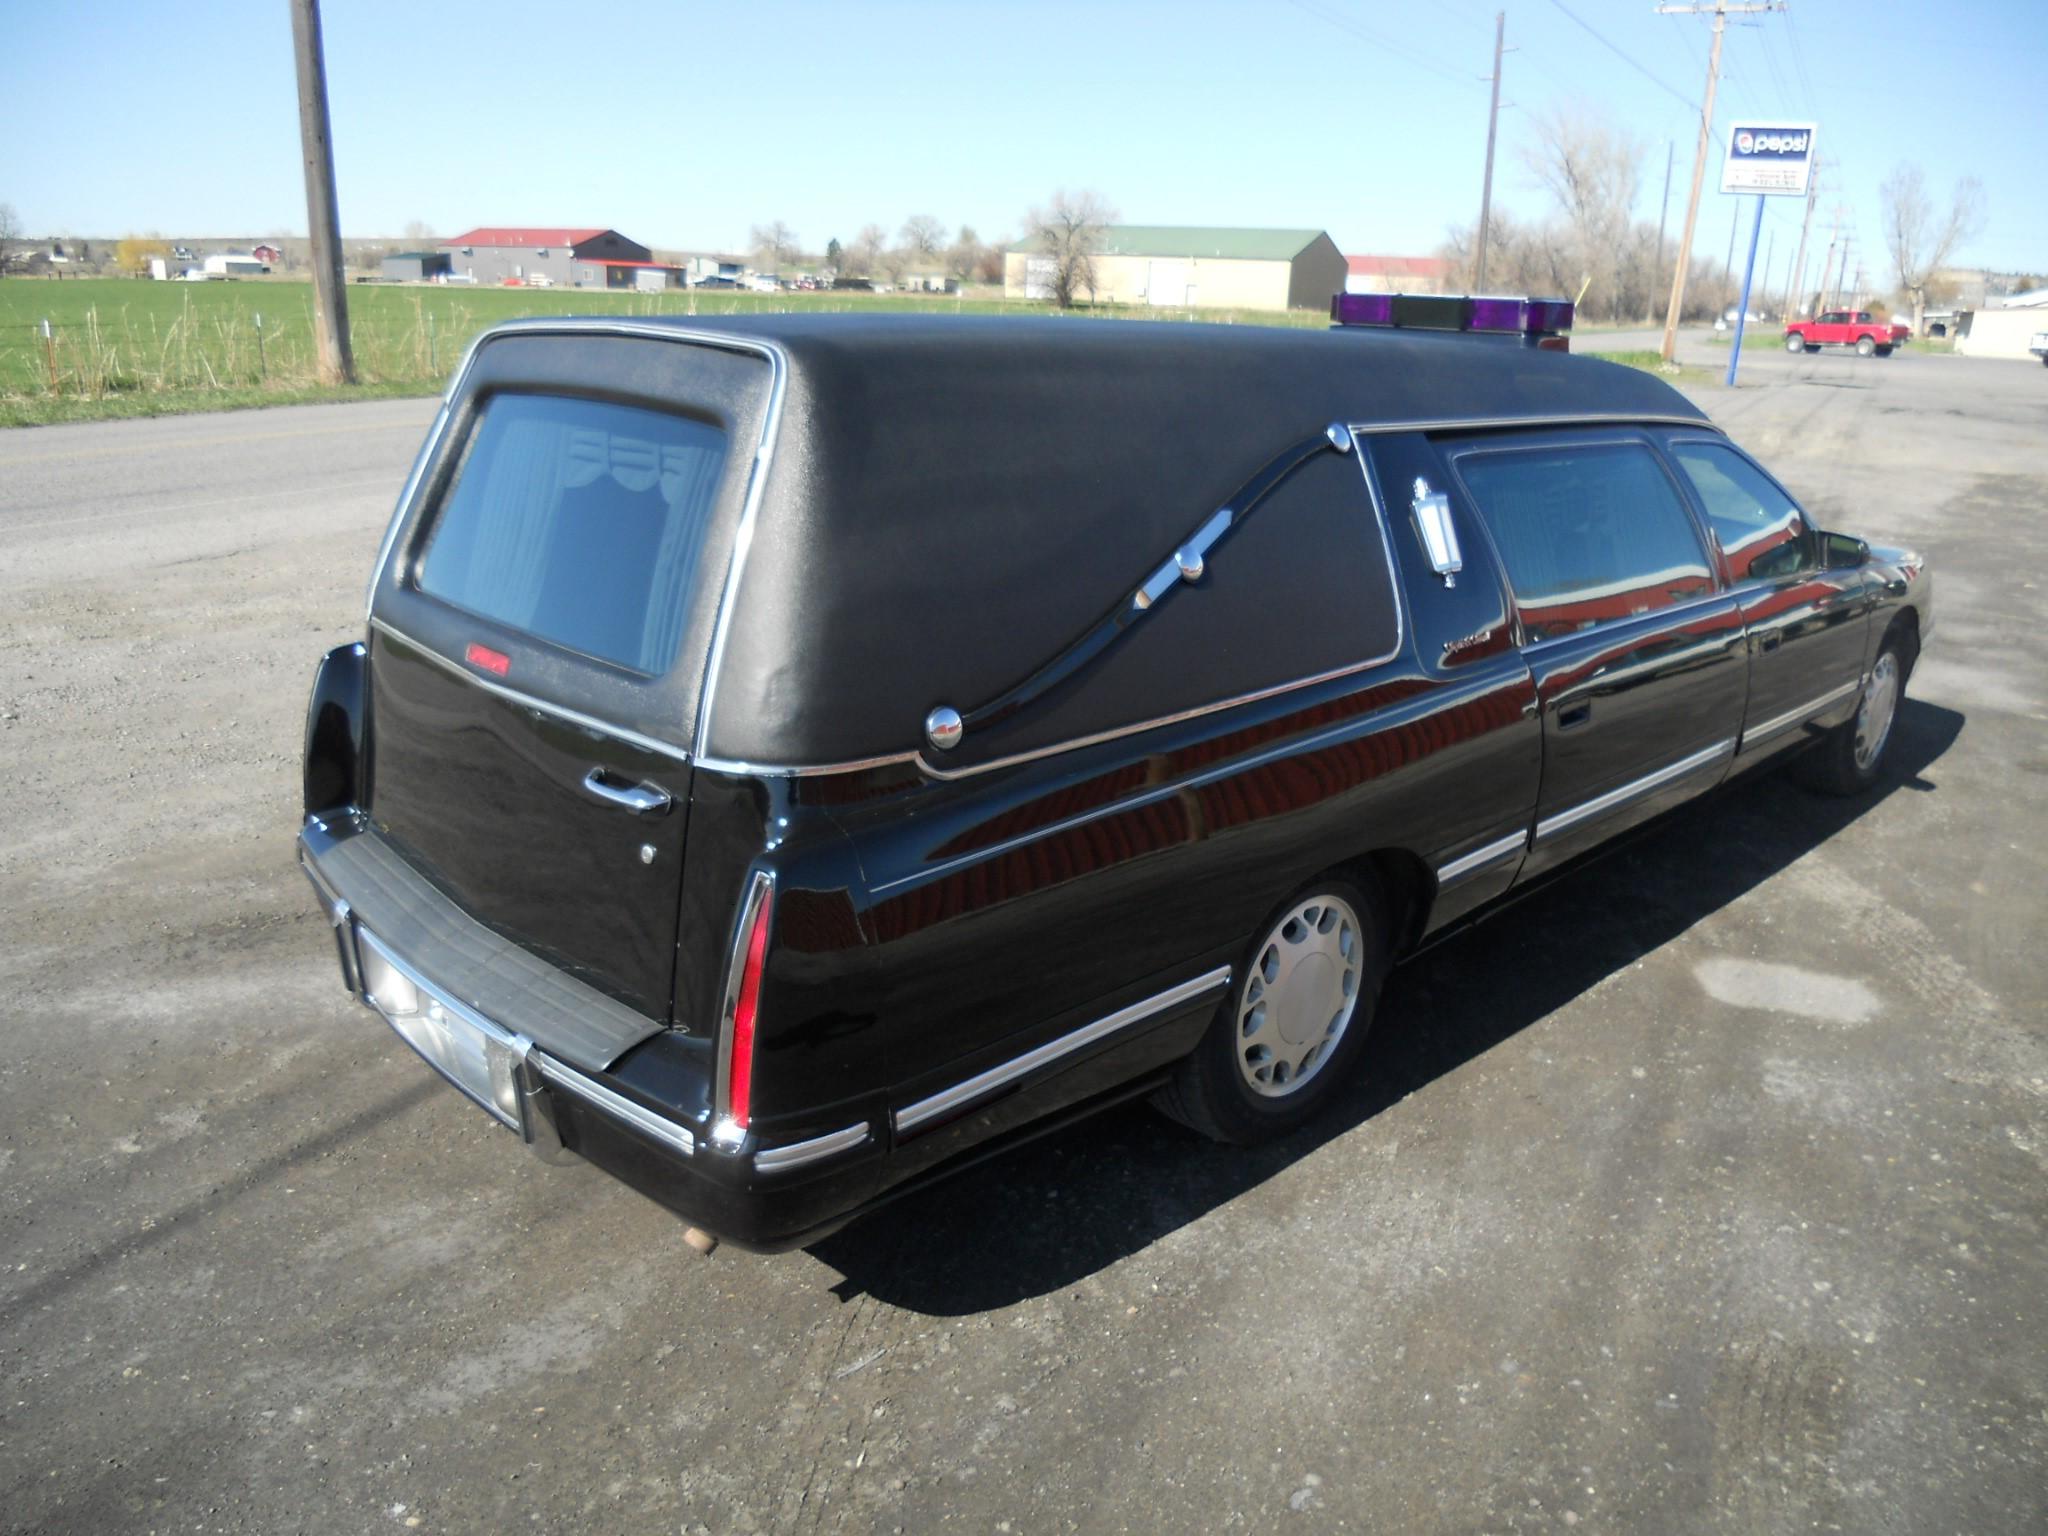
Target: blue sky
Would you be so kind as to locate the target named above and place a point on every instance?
(682, 125)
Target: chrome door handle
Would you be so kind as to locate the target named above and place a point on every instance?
(640, 799)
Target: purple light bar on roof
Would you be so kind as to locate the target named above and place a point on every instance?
(1362, 308)
(1549, 315)
(1497, 314)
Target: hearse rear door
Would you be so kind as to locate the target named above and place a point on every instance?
(1635, 648)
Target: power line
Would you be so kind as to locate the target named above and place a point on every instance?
(1387, 44)
(1611, 47)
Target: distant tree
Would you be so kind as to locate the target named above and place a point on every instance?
(963, 256)
(133, 253)
(774, 243)
(419, 232)
(1592, 168)
(923, 237)
(989, 265)
(1066, 233)
(1919, 239)
(10, 226)
(868, 247)
(835, 254)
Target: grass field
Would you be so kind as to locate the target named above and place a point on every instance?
(121, 347)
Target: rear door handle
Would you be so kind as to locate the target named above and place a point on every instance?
(641, 799)
(1577, 714)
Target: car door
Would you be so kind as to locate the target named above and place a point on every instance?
(1635, 647)
(1808, 626)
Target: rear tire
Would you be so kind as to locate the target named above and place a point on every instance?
(1300, 1006)
(1851, 758)
(1884, 351)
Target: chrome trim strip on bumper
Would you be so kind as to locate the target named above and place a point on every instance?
(963, 1093)
(1480, 858)
(1791, 717)
(799, 1154)
(1634, 789)
(618, 1106)
(528, 701)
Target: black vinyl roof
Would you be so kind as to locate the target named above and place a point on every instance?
(952, 500)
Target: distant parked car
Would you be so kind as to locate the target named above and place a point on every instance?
(2039, 346)
(853, 285)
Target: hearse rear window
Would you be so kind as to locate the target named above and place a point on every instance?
(1588, 532)
(578, 522)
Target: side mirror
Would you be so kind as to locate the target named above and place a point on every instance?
(1843, 552)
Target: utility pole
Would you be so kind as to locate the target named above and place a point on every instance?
(1799, 262)
(323, 218)
(1722, 10)
(1500, 32)
(1663, 214)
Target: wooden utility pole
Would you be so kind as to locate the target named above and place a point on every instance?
(1722, 10)
(323, 219)
(1663, 213)
(1500, 32)
(1799, 261)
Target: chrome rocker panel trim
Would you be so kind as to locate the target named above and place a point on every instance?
(1634, 789)
(964, 1093)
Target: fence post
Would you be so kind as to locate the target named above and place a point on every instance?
(50, 353)
(433, 367)
(262, 364)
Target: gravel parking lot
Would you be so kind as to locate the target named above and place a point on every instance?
(1707, 1192)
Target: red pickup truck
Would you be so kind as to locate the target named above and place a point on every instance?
(1846, 328)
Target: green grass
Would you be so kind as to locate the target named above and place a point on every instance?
(1652, 361)
(122, 347)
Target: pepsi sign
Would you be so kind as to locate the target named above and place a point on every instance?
(1774, 159)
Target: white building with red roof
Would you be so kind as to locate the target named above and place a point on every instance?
(1395, 274)
(550, 256)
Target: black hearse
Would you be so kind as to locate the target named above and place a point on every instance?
(791, 755)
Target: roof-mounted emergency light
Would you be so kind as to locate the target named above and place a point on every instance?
(1544, 323)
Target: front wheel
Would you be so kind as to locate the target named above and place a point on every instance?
(1865, 346)
(1294, 1022)
(1795, 343)
(1849, 761)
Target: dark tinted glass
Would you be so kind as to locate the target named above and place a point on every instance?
(1761, 532)
(1588, 532)
(579, 522)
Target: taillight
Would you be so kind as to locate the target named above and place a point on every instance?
(742, 1006)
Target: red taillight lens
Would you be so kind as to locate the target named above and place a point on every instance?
(739, 1080)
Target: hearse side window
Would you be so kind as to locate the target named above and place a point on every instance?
(1589, 532)
(1761, 532)
(578, 522)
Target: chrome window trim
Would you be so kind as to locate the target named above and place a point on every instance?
(1620, 795)
(799, 1154)
(743, 535)
(760, 885)
(640, 1118)
(970, 1089)
(1480, 858)
(1503, 423)
(1791, 717)
(1398, 713)
(528, 701)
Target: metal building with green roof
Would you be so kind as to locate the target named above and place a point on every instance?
(1191, 266)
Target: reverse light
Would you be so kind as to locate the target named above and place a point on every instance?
(742, 1007)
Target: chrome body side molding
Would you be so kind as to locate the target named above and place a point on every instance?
(1777, 723)
(656, 1127)
(1635, 789)
(963, 1094)
(799, 1154)
(1493, 853)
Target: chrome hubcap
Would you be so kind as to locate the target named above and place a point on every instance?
(1874, 714)
(1300, 996)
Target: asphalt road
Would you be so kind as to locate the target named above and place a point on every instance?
(1706, 1193)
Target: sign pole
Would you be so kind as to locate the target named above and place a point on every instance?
(1742, 309)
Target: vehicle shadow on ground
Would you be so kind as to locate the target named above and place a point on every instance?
(1059, 1209)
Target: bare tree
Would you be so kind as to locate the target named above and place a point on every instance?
(1064, 236)
(774, 243)
(10, 230)
(923, 237)
(1593, 170)
(867, 248)
(1921, 240)
(963, 256)
(419, 232)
